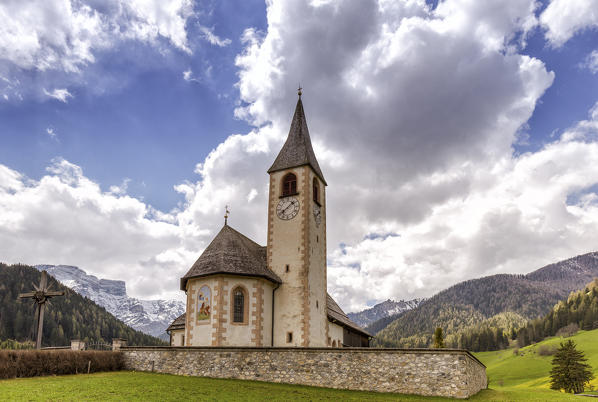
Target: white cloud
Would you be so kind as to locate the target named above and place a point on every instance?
(413, 115)
(210, 36)
(413, 118)
(188, 76)
(156, 18)
(59, 94)
(591, 62)
(564, 18)
(80, 28)
(66, 218)
(57, 43)
(516, 216)
(51, 133)
(122, 188)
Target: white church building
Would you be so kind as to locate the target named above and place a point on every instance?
(242, 294)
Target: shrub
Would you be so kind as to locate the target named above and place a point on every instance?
(12, 344)
(32, 363)
(545, 350)
(568, 331)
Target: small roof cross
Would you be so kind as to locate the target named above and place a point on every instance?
(300, 91)
(226, 212)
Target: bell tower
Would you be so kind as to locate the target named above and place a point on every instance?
(296, 249)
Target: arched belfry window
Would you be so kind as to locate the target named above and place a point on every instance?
(239, 305)
(289, 185)
(316, 191)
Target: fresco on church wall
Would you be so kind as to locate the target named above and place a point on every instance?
(203, 303)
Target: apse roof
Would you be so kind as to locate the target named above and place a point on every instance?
(231, 253)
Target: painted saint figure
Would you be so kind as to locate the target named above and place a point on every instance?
(203, 303)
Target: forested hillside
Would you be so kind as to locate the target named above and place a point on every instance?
(580, 309)
(68, 317)
(466, 311)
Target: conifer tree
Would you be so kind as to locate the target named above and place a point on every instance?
(569, 370)
(438, 338)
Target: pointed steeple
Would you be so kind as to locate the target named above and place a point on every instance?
(297, 150)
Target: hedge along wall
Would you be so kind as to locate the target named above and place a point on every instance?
(32, 363)
(443, 372)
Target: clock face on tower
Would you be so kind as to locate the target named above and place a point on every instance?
(287, 208)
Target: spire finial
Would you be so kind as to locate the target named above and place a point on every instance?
(299, 91)
(226, 212)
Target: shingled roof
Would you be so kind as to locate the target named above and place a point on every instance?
(178, 323)
(297, 150)
(231, 253)
(335, 313)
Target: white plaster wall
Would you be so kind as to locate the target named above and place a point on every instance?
(177, 337)
(285, 247)
(233, 334)
(237, 334)
(267, 317)
(335, 332)
(317, 266)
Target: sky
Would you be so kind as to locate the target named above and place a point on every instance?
(458, 138)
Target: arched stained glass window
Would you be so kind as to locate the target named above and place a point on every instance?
(239, 305)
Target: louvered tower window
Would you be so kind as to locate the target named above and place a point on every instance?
(316, 191)
(289, 185)
(239, 305)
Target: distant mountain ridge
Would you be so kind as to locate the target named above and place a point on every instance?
(149, 316)
(473, 301)
(382, 310)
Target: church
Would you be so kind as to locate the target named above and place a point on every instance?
(240, 293)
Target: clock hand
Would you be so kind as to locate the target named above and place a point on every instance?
(285, 210)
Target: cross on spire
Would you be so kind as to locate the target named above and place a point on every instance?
(226, 212)
(41, 296)
(300, 91)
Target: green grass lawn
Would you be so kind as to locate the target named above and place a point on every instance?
(522, 377)
(135, 386)
(527, 373)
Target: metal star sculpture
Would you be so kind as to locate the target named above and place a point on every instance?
(41, 296)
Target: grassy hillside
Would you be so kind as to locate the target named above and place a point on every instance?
(71, 316)
(528, 371)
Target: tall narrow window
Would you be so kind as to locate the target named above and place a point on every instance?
(239, 305)
(289, 185)
(316, 191)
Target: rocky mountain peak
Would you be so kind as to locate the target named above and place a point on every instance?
(149, 316)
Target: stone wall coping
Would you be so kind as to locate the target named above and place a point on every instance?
(303, 349)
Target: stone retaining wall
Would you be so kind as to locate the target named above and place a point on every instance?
(443, 372)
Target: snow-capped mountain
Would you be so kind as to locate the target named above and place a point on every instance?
(382, 310)
(149, 316)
